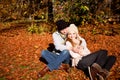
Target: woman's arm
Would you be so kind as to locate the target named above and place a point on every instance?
(73, 50)
(83, 47)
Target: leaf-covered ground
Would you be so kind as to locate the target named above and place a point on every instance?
(20, 52)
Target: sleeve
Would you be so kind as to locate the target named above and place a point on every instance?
(73, 54)
(58, 42)
(68, 45)
(86, 51)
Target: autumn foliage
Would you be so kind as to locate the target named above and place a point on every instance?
(20, 52)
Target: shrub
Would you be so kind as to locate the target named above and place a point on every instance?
(40, 28)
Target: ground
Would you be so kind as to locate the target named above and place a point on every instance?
(20, 52)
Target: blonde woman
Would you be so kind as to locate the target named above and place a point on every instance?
(98, 63)
(76, 44)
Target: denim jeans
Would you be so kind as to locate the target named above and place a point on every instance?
(100, 57)
(54, 60)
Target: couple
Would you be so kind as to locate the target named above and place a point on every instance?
(69, 45)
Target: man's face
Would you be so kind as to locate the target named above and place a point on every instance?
(64, 31)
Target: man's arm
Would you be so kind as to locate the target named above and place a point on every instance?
(58, 42)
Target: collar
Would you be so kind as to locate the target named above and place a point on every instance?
(63, 36)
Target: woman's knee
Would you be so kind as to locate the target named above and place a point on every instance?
(103, 52)
(81, 65)
(112, 58)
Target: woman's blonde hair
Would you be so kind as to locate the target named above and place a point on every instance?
(73, 28)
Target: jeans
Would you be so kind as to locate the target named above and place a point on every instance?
(54, 60)
(100, 57)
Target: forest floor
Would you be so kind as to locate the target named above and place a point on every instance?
(20, 52)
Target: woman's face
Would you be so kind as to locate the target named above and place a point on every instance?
(72, 35)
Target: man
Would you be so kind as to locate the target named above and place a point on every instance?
(60, 54)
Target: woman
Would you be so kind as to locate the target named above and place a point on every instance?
(97, 63)
(77, 43)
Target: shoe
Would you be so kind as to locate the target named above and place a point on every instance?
(93, 73)
(64, 67)
(103, 74)
(97, 66)
(43, 72)
(100, 77)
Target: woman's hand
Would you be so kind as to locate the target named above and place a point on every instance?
(80, 47)
(77, 49)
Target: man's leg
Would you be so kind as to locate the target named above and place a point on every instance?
(48, 56)
(64, 56)
(54, 60)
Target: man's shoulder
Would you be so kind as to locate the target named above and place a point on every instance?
(56, 33)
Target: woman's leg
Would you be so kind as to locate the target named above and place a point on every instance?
(93, 63)
(104, 73)
(98, 57)
(109, 62)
